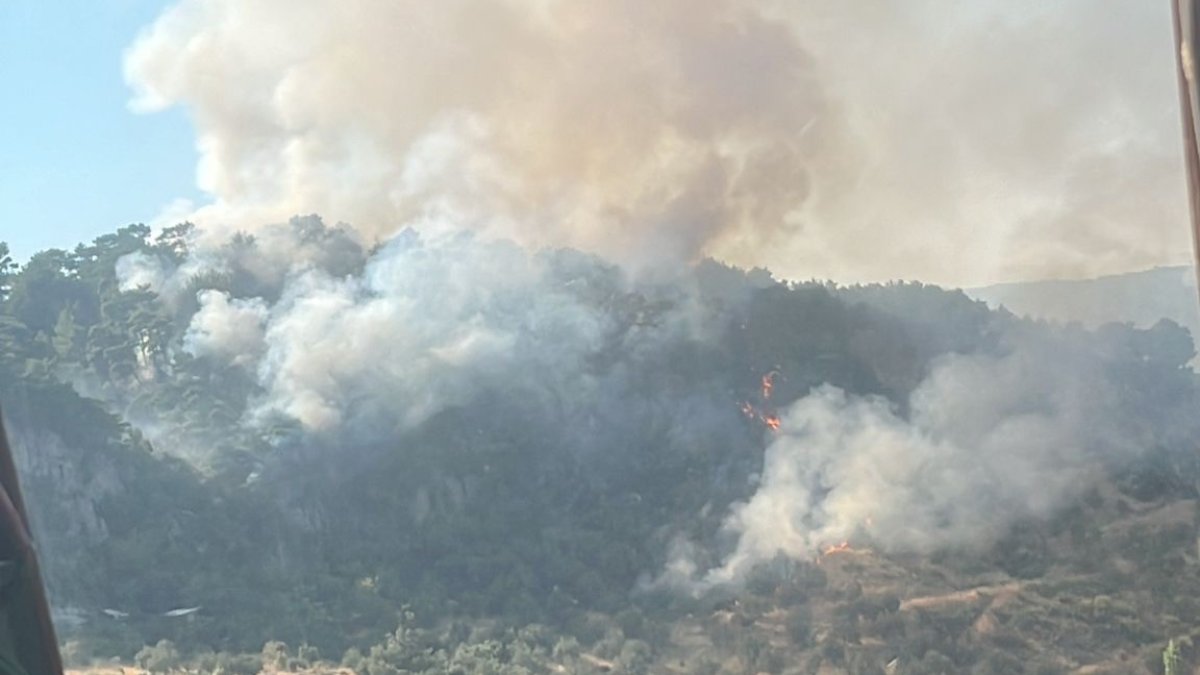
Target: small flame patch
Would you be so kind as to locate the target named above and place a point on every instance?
(764, 413)
(841, 547)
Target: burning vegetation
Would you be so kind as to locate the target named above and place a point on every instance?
(764, 413)
(504, 439)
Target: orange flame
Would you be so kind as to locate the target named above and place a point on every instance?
(768, 384)
(772, 422)
(836, 548)
(767, 416)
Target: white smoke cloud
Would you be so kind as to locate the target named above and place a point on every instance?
(961, 142)
(271, 255)
(988, 441)
(619, 127)
(141, 270)
(953, 142)
(231, 330)
(430, 322)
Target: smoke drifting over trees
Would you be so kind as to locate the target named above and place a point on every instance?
(530, 381)
(987, 440)
(532, 433)
(979, 136)
(1002, 422)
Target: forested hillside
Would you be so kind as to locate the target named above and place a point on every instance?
(437, 453)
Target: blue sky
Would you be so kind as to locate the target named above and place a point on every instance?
(74, 161)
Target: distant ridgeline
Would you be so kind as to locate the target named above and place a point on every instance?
(1140, 298)
(305, 437)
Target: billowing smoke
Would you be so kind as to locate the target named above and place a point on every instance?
(619, 128)
(425, 325)
(987, 441)
(139, 270)
(901, 418)
(961, 142)
(228, 329)
(424, 322)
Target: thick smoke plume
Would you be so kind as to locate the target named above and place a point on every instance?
(421, 329)
(620, 127)
(378, 343)
(988, 441)
(467, 343)
(227, 329)
(959, 143)
(955, 142)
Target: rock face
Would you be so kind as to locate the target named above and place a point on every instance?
(63, 487)
(66, 484)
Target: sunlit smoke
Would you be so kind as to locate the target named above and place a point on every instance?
(231, 330)
(960, 143)
(376, 345)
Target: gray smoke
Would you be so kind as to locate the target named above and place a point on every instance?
(598, 365)
(953, 142)
(958, 143)
(988, 441)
